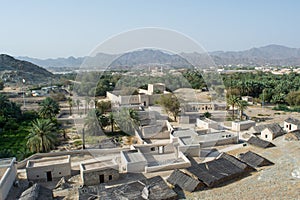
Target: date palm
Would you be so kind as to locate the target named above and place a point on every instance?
(242, 105)
(49, 108)
(232, 101)
(42, 136)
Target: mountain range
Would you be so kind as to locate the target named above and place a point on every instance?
(273, 55)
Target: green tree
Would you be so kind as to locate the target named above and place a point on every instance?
(127, 120)
(91, 123)
(293, 98)
(232, 101)
(78, 104)
(111, 119)
(171, 105)
(242, 105)
(1, 85)
(70, 104)
(49, 108)
(104, 106)
(207, 115)
(9, 109)
(42, 136)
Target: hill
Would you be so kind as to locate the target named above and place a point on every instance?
(274, 55)
(14, 71)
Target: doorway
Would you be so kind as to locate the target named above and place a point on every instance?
(49, 176)
(101, 178)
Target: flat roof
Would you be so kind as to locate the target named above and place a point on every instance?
(99, 165)
(134, 156)
(48, 161)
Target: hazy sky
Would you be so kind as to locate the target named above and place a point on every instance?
(62, 28)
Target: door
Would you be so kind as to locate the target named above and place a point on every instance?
(101, 178)
(49, 176)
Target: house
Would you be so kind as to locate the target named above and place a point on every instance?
(153, 157)
(291, 124)
(8, 173)
(255, 141)
(48, 169)
(270, 132)
(256, 130)
(160, 129)
(293, 136)
(207, 123)
(254, 160)
(37, 192)
(242, 125)
(141, 97)
(190, 142)
(222, 169)
(97, 172)
(185, 181)
(154, 188)
(248, 99)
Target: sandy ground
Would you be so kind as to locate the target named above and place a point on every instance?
(280, 181)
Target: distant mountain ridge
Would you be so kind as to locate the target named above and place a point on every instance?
(266, 55)
(14, 70)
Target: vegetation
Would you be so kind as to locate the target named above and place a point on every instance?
(171, 105)
(49, 108)
(42, 136)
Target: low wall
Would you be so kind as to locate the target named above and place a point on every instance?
(7, 180)
(22, 164)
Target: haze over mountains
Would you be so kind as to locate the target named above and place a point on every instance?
(268, 55)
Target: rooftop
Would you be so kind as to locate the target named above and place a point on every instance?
(292, 120)
(96, 165)
(134, 156)
(48, 161)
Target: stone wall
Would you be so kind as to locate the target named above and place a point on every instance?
(93, 177)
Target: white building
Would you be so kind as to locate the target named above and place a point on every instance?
(207, 123)
(144, 97)
(8, 173)
(271, 132)
(291, 124)
(48, 169)
(242, 125)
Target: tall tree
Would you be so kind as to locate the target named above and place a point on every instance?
(49, 108)
(242, 105)
(78, 104)
(41, 136)
(70, 104)
(232, 101)
(171, 105)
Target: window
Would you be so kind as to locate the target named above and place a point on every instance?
(152, 148)
(59, 172)
(266, 136)
(37, 176)
(110, 177)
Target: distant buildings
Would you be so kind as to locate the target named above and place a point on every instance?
(142, 97)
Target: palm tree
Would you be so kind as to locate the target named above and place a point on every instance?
(70, 103)
(91, 123)
(41, 136)
(78, 104)
(87, 103)
(111, 119)
(232, 100)
(242, 105)
(49, 108)
(127, 120)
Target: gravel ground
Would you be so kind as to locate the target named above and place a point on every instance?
(280, 181)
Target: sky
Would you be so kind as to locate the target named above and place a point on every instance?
(56, 28)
